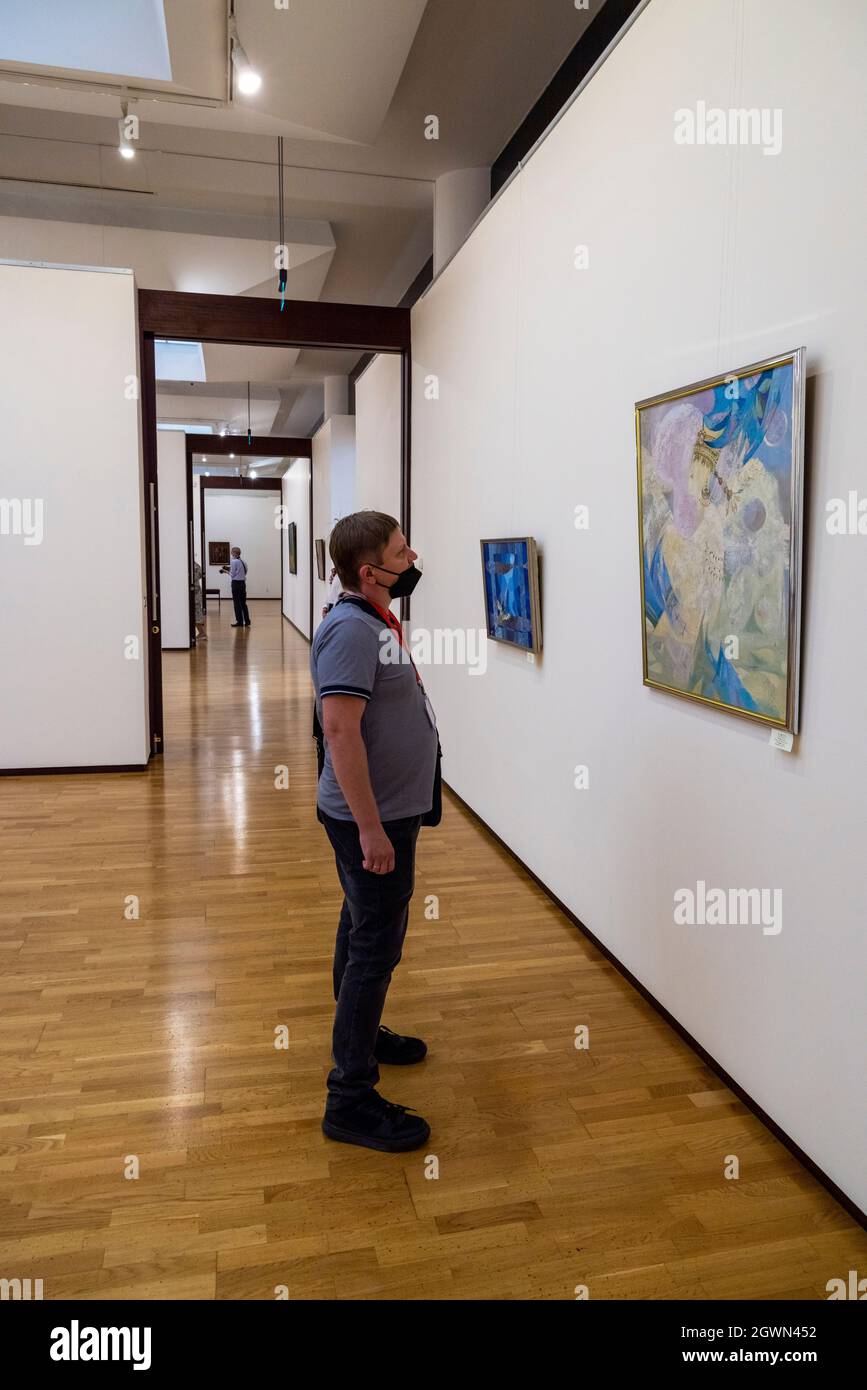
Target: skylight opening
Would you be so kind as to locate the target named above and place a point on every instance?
(179, 361)
(122, 40)
(187, 427)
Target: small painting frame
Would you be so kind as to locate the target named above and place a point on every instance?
(512, 592)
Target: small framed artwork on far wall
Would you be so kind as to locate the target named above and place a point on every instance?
(510, 573)
(320, 559)
(218, 553)
(292, 543)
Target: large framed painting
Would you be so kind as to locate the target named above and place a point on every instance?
(218, 553)
(320, 558)
(292, 543)
(510, 573)
(720, 500)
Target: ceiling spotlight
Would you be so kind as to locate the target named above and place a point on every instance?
(207, 474)
(231, 456)
(249, 80)
(223, 432)
(127, 131)
(252, 472)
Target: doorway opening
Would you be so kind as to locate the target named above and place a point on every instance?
(269, 471)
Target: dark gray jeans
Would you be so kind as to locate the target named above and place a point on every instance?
(239, 599)
(370, 936)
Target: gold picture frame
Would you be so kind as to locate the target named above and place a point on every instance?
(745, 404)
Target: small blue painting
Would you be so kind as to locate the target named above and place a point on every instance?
(510, 569)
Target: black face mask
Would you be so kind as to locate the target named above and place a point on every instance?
(405, 583)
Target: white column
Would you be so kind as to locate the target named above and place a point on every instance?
(333, 491)
(459, 198)
(174, 564)
(336, 396)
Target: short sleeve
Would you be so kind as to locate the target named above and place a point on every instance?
(346, 660)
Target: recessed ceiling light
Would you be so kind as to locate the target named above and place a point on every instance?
(231, 456)
(252, 472)
(125, 125)
(249, 80)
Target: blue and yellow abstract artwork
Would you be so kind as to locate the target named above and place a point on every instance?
(510, 569)
(720, 479)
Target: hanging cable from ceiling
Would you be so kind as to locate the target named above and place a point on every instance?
(249, 427)
(282, 248)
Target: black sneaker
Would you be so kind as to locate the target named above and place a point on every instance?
(376, 1123)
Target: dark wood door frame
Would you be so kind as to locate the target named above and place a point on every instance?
(153, 610)
(259, 446)
(243, 320)
(227, 318)
(236, 485)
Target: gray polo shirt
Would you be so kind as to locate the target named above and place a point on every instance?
(355, 653)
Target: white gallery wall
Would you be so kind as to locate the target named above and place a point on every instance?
(174, 546)
(296, 502)
(197, 517)
(699, 259)
(72, 621)
(333, 491)
(377, 436)
(245, 518)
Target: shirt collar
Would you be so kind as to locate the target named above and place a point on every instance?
(369, 606)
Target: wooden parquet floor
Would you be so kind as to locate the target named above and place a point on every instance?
(152, 1040)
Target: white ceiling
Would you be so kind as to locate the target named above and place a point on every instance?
(360, 73)
(286, 389)
(347, 84)
(347, 96)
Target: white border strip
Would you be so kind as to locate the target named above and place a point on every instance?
(58, 265)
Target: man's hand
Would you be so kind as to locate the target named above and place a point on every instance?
(378, 851)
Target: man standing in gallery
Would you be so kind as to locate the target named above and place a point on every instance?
(379, 783)
(238, 577)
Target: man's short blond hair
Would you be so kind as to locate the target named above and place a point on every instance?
(359, 539)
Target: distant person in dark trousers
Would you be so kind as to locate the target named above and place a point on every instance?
(238, 577)
(378, 785)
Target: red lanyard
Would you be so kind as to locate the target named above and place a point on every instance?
(391, 621)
